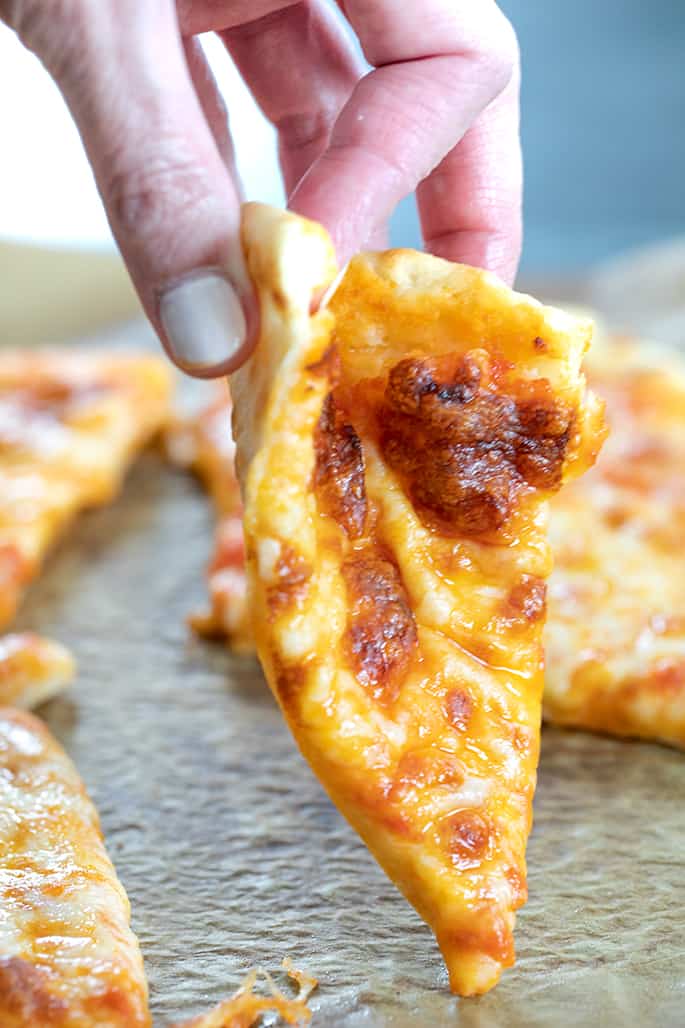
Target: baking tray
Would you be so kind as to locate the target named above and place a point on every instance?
(233, 856)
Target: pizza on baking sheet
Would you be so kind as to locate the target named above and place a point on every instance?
(246, 1007)
(71, 420)
(68, 958)
(616, 598)
(397, 450)
(616, 624)
(32, 669)
(203, 442)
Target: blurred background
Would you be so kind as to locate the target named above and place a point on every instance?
(603, 128)
(603, 104)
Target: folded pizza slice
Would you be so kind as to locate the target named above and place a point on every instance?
(397, 450)
(616, 627)
(616, 610)
(203, 442)
(71, 421)
(68, 958)
(32, 669)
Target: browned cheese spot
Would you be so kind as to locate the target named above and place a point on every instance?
(292, 575)
(464, 447)
(55, 397)
(526, 603)
(616, 516)
(419, 768)
(521, 739)
(115, 1003)
(490, 935)
(327, 366)
(668, 676)
(467, 837)
(339, 470)
(381, 632)
(641, 469)
(458, 707)
(519, 889)
(290, 679)
(26, 994)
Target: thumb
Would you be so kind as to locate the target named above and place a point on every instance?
(170, 199)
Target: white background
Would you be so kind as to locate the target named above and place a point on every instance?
(47, 193)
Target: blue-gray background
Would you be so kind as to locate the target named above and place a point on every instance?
(603, 126)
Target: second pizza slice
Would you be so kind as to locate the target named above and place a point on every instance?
(616, 629)
(397, 450)
(68, 957)
(71, 421)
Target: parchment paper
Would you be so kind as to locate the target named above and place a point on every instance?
(233, 856)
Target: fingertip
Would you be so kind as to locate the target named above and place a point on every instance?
(504, 257)
(495, 252)
(207, 327)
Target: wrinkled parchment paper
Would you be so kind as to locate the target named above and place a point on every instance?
(233, 856)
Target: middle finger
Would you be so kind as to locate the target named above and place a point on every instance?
(301, 69)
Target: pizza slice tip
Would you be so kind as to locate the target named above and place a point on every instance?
(32, 669)
(397, 449)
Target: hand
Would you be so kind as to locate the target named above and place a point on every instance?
(437, 114)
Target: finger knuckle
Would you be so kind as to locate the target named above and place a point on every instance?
(45, 27)
(150, 200)
(501, 50)
(304, 131)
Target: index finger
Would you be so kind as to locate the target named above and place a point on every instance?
(437, 68)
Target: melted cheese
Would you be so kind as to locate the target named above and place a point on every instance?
(68, 958)
(70, 423)
(246, 1008)
(32, 669)
(398, 449)
(616, 630)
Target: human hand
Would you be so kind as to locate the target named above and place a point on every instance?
(437, 114)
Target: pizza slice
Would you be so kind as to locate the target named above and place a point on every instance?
(397, 450)
(32, 669)
(71, 421)
(68, 958)
(203, 442)
(616, 626)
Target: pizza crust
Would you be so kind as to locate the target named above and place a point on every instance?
(68, 958)
(202, 442)
(398, 601)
